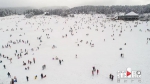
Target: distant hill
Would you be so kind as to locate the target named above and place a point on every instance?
(55, 7)
(21, 10)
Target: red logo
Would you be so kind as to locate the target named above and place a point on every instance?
(128, 73)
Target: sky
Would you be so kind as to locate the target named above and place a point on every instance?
(69, 3)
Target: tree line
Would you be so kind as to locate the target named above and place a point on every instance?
(140, 9)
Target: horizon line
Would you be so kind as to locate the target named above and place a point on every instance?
(68, 6)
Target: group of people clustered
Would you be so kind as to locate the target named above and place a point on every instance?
(25, 52)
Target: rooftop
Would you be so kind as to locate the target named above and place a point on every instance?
(131, 14)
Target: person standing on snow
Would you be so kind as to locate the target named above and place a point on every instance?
(41, 76)
(12, 81)
(94, 69)
(122, 55)
(44, 76)
(20, 55)
(30, 62)
(4, 66)
(8, 74)
(112, 77)
(93, 72)
(15, 79)
(97, 71)
(35, 77)
(10, 60)
(34, 60)
(27, 78)
(60, 62)
(76, 55)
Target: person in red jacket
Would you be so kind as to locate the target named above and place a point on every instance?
(92, 72)
(97, 71)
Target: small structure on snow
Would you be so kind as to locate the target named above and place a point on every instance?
(129, 16)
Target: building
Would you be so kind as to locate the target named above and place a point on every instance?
(129, 16)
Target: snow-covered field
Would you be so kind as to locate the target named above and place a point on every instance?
(97, 30)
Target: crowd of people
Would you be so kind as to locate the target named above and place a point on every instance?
(73, 30)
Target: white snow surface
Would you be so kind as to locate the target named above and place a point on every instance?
(105, 55)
